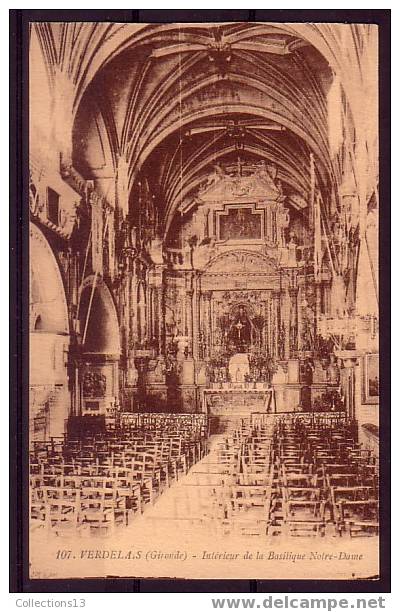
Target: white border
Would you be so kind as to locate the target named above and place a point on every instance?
(197, 602)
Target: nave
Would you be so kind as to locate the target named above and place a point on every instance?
(270, 476)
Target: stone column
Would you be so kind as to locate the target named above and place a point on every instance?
(160, 319)
(207, 322)
(133, 308)
(149, 298)
(270, 323)
(156, 308)
(151, 313)
(131, 317)
(285, 322)
(195, 317)
(202, 326)
(276, 323)
(349, 362)
(264, 332)
(317, 305)
(300, 299)
(293, 322)
(189, 316)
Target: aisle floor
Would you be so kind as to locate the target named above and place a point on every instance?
(181, 535)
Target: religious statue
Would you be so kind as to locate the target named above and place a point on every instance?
(200, 222)
(183, 348)
(219, 172)
(269, 173)
(333, 372)
(240, 331)
(214, 178)
(239, 377)
(132, 373)
(159, 371)
(156, 250)
(204, 252)
(282, 223)
(281, 342)
(308, 371)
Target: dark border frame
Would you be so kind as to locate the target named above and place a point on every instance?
(19, 278)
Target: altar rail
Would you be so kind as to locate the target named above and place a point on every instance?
(157, 420)
(319, 419)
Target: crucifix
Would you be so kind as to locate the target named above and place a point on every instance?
(239, 327)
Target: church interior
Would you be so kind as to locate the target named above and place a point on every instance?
(204, 316)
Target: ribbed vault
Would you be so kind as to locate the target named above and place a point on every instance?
(171, 100)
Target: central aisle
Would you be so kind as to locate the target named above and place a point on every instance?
(186, 534)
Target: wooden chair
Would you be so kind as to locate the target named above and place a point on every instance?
(304, 517)
(359, 518)
(250, 510)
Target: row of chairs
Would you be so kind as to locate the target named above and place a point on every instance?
(100, 481)
(325, 478)
(295, 476)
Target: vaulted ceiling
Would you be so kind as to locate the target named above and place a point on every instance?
(172, 100)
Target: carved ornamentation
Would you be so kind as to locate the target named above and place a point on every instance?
(258, 182)
(242, 261)
(94, 384)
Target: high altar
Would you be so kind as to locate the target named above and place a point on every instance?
(235, 298)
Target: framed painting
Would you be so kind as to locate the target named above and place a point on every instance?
(371, 378)
(240, 223)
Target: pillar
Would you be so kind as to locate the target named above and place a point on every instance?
(189, 316)
(285, 323)
(276, 323)
(349, 362)
(318, 293)
(208, 322)
(300, 300)
(160, 319)
(195, 316)
(293, 322)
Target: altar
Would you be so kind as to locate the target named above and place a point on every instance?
(238, 400)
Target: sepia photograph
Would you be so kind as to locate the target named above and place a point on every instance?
(204, 300)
